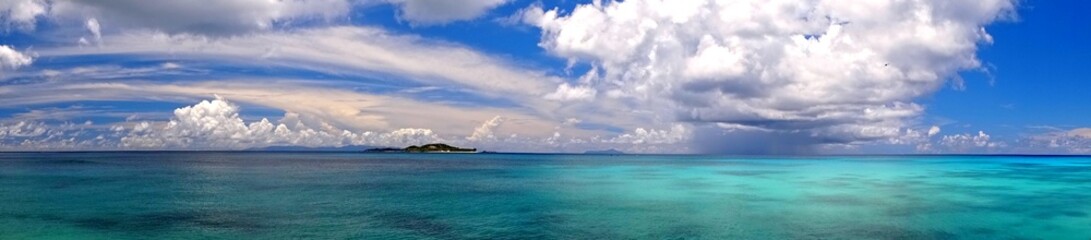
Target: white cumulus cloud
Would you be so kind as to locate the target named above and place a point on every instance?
(969, 143)
(485, 131)
(22, 129)
(21, 14)
(12, 59)
(216, 124)
(839, 71)
(675, 134)
(933, 131)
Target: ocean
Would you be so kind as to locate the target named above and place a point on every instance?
(252, 195)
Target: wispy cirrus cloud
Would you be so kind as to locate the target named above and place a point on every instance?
(225, 18)
(433, 12)
(340, 50)
(218, 18)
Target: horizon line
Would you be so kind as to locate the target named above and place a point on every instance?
(569, 153)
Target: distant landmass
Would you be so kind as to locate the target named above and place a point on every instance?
(427, 148)
(605, 152)
(350, 148)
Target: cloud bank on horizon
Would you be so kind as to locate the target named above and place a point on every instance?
(649, 76)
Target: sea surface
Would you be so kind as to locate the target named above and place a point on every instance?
(173, 195)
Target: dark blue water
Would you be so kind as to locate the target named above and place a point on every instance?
(487, 196)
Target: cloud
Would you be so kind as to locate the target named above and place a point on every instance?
(970, 143)
(341, 108)
(11, 59)
(229, 17)
(675, 134)
(711, 75)
(95, 29)
(89, 72)
(66, 114)
(215, 18)
(21, 14)
(1073, 141)
(316, 104)
(363, 54)
(22, 129)
(831, 71)
(567, 92)
(23, 135)
(1080, 133)
(216, 124)
(342, 51)
(432, 12)
(960, 140)
(933, 131)
(485, 131)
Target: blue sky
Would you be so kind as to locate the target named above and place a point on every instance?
(642, 76)
(1038, 75)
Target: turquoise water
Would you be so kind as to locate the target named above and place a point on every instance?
(486, 196)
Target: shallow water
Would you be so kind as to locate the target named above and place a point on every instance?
(500, 196)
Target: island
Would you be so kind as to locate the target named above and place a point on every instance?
(427, 148)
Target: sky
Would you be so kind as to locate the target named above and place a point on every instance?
(639, 76)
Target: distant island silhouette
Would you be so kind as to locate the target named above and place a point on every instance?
(427, 148)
